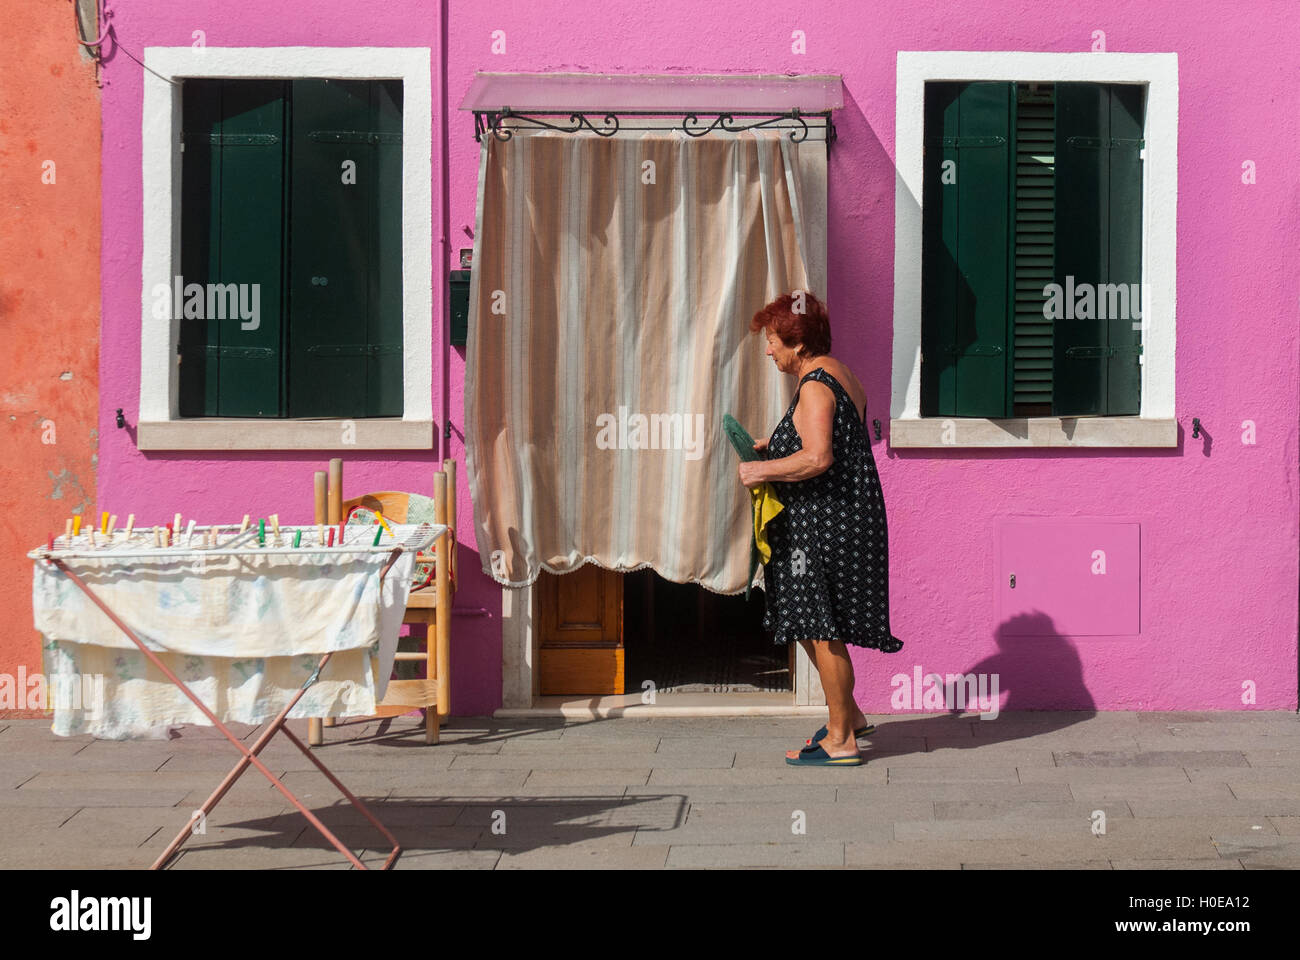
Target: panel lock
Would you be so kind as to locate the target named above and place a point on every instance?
(1013, 581)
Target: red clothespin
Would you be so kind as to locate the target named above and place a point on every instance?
(331, 543)
(169, 536)
(51, 541)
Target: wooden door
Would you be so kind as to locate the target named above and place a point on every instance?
(581, 642)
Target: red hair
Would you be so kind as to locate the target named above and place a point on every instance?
(811, 326)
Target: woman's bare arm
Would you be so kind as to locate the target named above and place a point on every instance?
(813, 418)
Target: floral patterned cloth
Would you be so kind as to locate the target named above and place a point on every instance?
(244, 631)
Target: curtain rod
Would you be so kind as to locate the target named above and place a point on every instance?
(494, 121)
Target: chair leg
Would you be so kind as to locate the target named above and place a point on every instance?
(315, 732)
(431, 724)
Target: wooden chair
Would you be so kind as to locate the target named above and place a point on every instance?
(430, 606)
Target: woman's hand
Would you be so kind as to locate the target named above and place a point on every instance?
(760, 446)
(751, 473)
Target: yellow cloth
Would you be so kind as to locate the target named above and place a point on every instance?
(766, 506)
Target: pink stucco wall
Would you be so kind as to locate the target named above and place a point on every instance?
(1218, 521)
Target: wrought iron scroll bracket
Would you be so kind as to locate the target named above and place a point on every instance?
(495, 123)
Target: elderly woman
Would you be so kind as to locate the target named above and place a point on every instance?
(827, 583)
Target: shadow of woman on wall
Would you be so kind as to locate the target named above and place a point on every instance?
(1032, 685)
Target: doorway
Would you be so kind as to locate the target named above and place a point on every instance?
(563, 649)
(683, 638)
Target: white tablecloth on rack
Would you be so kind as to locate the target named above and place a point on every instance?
(243, 630)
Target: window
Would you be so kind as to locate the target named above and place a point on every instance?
(291, 210)
(1034, 289)
(344, 363)
(1032, 249)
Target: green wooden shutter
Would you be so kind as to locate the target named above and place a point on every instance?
(232, 232)
(968, 270)
(1098, 243)
(384, 366)
(1035, 223)
(200, 366)
(345, 323)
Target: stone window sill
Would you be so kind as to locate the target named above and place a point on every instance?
(1034, 432)
(255, 434)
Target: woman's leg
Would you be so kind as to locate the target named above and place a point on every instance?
(836, 670)
(859, 718)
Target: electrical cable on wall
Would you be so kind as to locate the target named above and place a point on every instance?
(102, 16)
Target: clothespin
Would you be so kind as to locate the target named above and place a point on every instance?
(112, 525)
(261, 532)
(331, 543)
(67, 531)
(170, 530)
(297, 538)
(76, 524)
(51, 541)
(189, 532)
(384, 523)
(243, 527)
(340, 533)
(275, 527)
(320, 534)
(103, 522)
(91, 532)
(130, 524)
(176, 527)
(379, 532)
(157, 536)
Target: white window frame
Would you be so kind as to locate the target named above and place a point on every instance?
(1156, 425)
(160, 426)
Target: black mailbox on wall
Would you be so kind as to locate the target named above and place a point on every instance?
(459, 284)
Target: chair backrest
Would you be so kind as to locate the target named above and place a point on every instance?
(401, 507)
(392, 504)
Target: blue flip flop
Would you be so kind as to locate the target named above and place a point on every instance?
(815, 756)
(864, 731)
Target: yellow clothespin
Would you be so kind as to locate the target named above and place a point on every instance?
(103, 522)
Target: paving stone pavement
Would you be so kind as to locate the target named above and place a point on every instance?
(1052, 790)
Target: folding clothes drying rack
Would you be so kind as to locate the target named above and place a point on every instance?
(395, 541)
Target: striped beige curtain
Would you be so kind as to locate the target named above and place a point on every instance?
(612, 285)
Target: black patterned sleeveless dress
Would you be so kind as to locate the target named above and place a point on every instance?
(828, 578)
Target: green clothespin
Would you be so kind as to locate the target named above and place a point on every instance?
(261, 533)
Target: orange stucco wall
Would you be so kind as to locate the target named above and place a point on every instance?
(49, 299)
